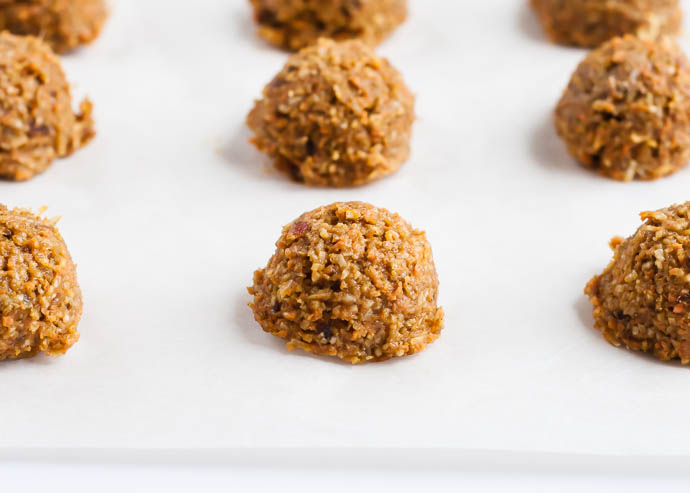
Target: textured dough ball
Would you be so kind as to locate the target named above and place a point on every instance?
(40, 300)
(589, 23)
(336, 115)
(626, 111)
(642, 299)
(63, 24)
(294, 24)
(350, 280)
(38, 123)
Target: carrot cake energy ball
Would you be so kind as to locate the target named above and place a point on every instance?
(350, 280)
(642, 299)
(294, 24)
(37, 121)
(588, 23)
(40, 300)
(336, 115)
(626, 111)
(63, 24)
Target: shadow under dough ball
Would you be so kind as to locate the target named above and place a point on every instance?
(337, 115)
(38, 122)
(63, 24)
(626, 110)
(588, 23)
(350, 280)
(294, 24)
(40, 300)
(642, 299)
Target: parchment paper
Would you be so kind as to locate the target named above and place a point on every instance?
(169, 211)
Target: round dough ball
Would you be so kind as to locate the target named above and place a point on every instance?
(294, 24)
(642, 299)
(38, 123)
(40, 300)
(336, 115)
(350, 280)
(63, 24)
(626, 111)
(588, 23)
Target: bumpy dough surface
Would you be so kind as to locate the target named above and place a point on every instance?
(294, 24)
(40, 300)
(336, 115)
(63, 24)
(626, 111)
(350, 280)
(38, 123)
(588, 23)
(642, 299)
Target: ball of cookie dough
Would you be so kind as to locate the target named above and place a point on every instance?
(38, 122)
(294, 24)
(63, 24)
(336, 115)
(642, 299)
(350, 280)
(588, 23)
(626, 111)
(40, 300)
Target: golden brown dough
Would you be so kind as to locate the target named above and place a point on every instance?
(642, 299)
(38, 123)
(350, 280)
(63, 24)
(40, 300)
(626, 111)
(336, 115)
(294, 24)
(588, 23)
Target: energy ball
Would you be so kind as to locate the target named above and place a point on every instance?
(626, 111)
(336, 115)
(294, 24)
(38, 123)
(63, 24)
(588, 23)
(40, 300)
(642, 299)
(350, 280)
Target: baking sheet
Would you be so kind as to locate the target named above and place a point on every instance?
(169, 211)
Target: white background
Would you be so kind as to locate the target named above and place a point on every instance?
(169, 211)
